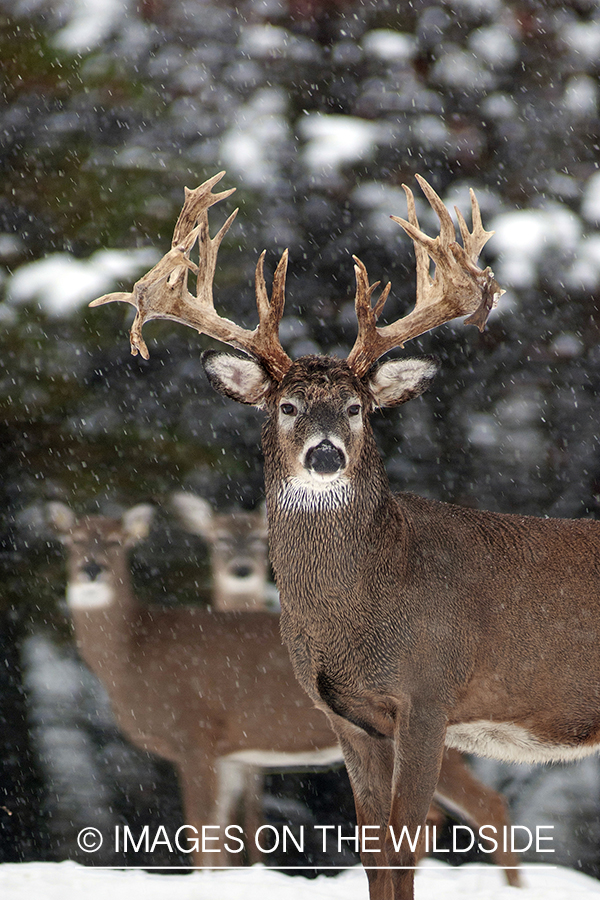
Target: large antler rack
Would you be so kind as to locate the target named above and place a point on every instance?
(163, 292)
(458, 285)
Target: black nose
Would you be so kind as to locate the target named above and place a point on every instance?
(325, 459)
(242, 571)
(92, 570)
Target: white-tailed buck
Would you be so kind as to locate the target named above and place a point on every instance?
(413, 624)
(239, 561)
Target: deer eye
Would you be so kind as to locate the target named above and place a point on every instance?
(354, 409)
(288, 409)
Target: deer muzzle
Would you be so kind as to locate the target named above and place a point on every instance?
(325, 458)
(92, 570)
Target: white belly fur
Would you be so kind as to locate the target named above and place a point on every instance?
(511, 743)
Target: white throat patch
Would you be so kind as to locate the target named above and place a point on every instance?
(89, 594)
(253, 584)
(314, 495)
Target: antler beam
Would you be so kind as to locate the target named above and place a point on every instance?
(458, 285)
(163, 293)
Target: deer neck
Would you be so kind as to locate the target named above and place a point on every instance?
(327, 535)
(105, 614)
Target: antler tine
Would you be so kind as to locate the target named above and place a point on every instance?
(361, 356)
(208, 250)
(163, 294)
(193, 220)
(458, 285)
(270, 313)
(475, 242)
(447, 232)
(421, 255)
(196, 203)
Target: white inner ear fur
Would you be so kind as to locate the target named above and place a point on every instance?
(195, 513)
(401, 379)
(137, 521)
(60, 517)
(243, 378)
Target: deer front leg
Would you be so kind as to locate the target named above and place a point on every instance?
(418, 747)
(370, 763)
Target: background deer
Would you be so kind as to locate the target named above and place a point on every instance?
(190, 684)
(412, 624)
(237, 543)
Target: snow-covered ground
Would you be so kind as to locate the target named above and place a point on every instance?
(68, 881)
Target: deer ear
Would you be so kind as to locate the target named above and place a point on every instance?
(194, 513)
(136, 523)
(399, 380)
(60, 518)
(243, 380)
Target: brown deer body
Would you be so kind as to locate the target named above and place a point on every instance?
(412, 624)
(193, 685)
(447, 601)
